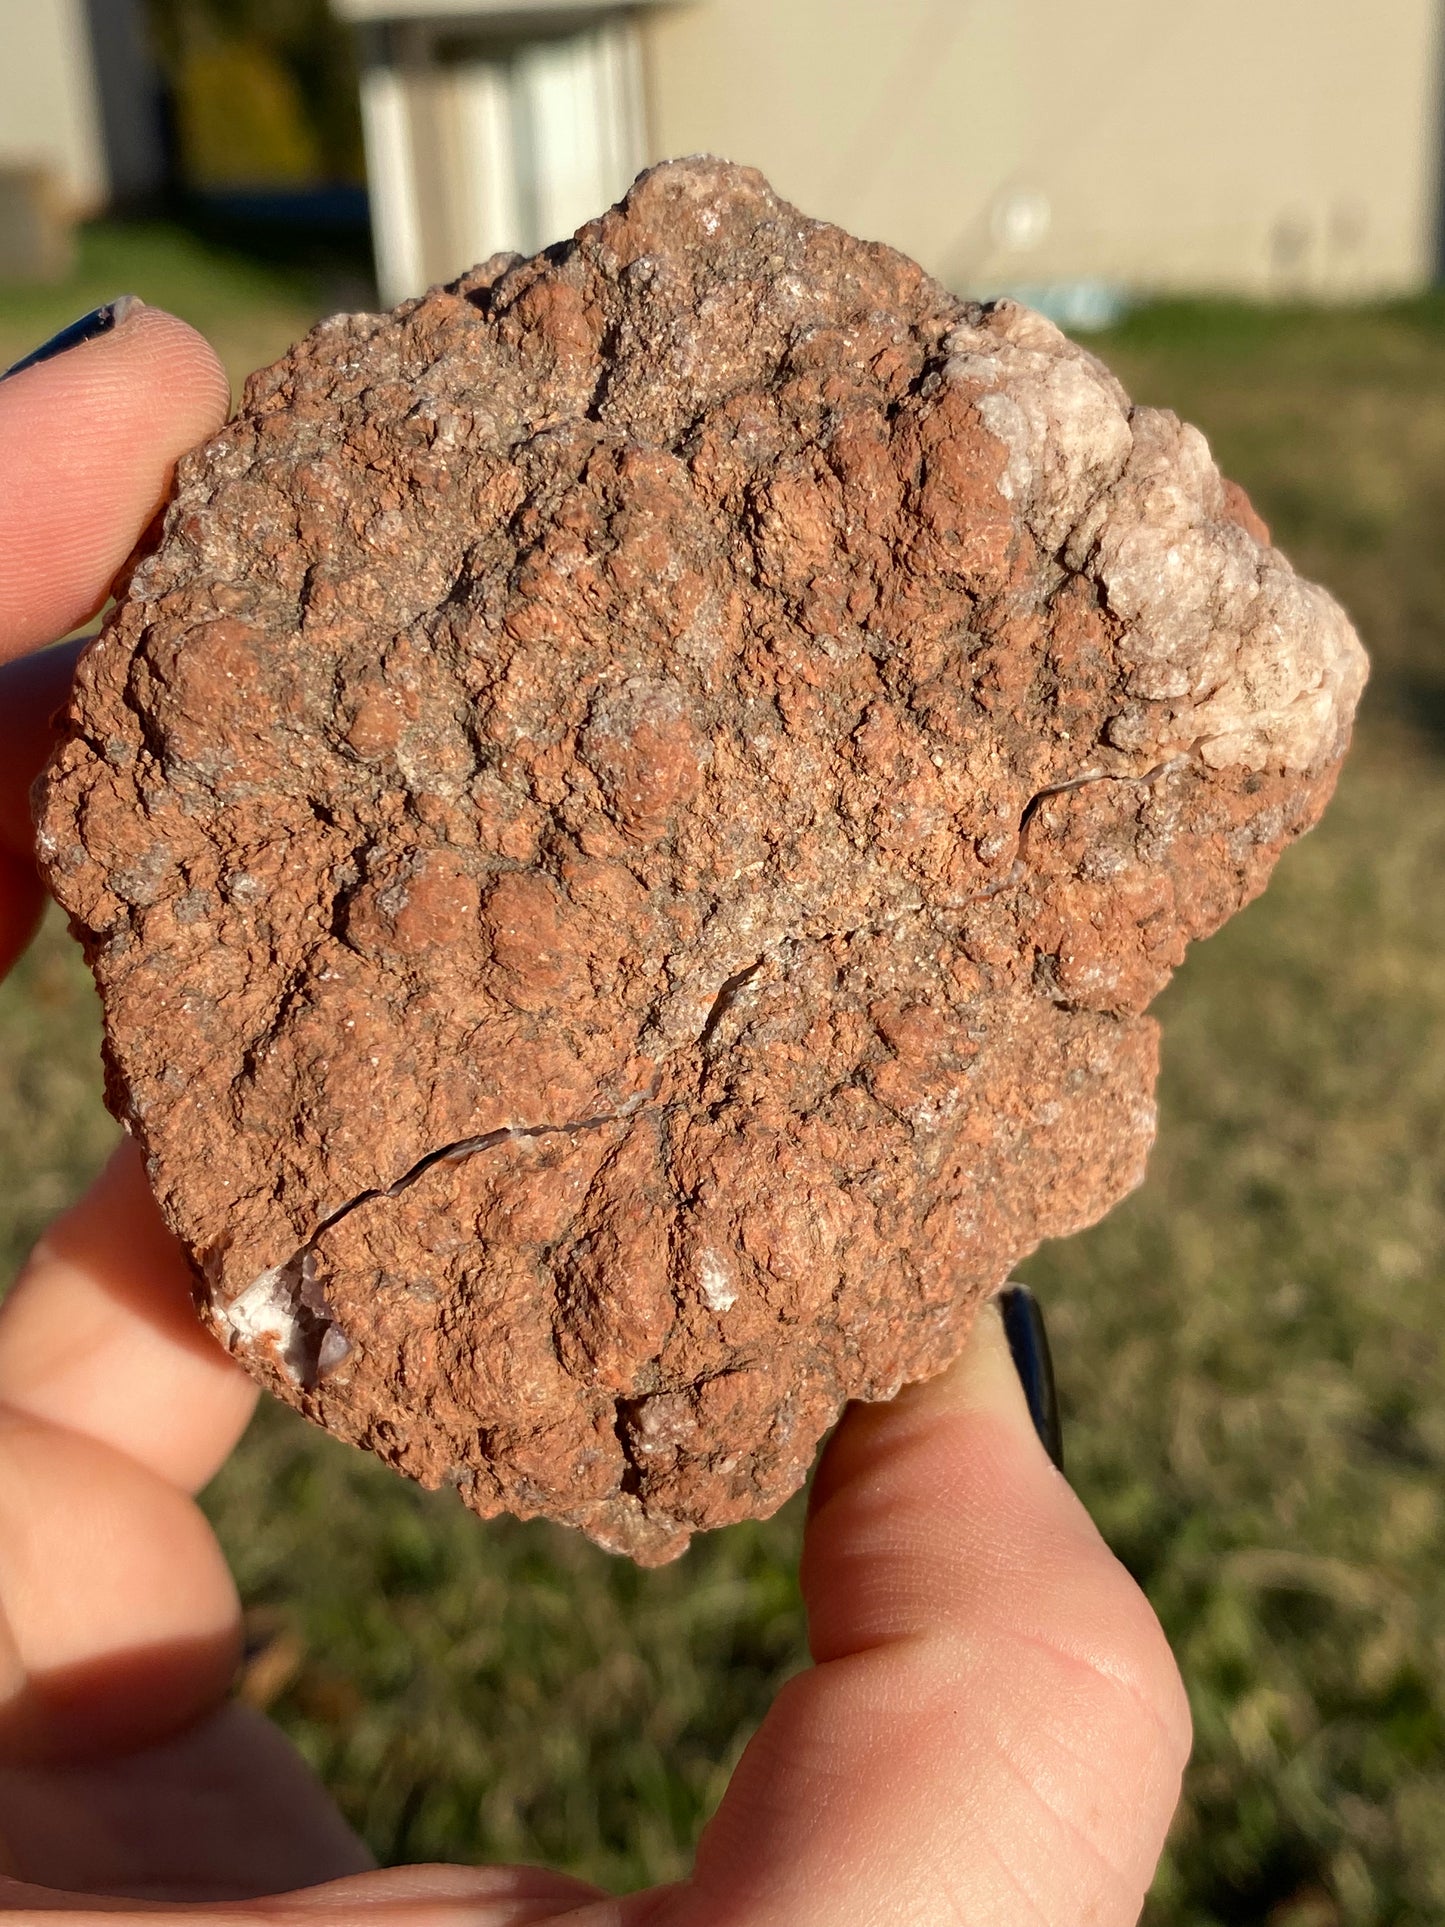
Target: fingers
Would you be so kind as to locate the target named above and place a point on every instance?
(31, 691)
(87, 444)
(439, 1896)
(121, 1618)
(396, 1897)
(99, 1336)
(224, 1811)
(118, 1618)
(994, 1730)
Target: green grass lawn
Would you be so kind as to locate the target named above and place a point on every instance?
(1249, 1349)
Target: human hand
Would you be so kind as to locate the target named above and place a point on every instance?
(992, 1731)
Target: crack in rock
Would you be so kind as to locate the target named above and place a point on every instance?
(286, 1303)
(727, 996)
(1088, 776)
(1019, 868)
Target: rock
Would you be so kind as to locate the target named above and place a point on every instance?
(626, 825)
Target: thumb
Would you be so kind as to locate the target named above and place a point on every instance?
(994, 1728)
(88, 439)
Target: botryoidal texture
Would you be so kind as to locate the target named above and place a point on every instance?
(626, 825)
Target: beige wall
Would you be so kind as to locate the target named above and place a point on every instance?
(1263, 146)
(48, 108)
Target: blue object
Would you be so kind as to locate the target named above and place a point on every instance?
(100, 321)
(1023, 1323)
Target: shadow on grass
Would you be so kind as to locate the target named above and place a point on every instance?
(1416, 699)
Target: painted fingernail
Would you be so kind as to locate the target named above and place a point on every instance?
(100, 321)
(1023, 1324)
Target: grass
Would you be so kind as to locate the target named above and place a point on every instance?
(252, 309)
(1249, 1348)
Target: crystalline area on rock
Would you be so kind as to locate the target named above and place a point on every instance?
(626, 825)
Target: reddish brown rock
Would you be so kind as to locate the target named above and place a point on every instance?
(628, 824)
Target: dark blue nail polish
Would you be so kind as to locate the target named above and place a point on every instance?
(100, 321)
(1023, 1324)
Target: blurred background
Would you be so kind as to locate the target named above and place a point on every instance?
(1239, 205)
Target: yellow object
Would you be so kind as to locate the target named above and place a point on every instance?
(242, 119)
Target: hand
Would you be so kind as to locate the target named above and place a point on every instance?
(993, 1729)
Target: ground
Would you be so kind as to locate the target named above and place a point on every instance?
(1248, 1350)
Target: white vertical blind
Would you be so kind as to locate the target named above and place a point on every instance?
(525, 145)
(574, 114)
(391, 177)
(488, 187)
(625, 118)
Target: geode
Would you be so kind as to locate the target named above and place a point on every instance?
(626, 823)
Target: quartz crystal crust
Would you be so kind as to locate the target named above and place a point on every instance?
(626, 823)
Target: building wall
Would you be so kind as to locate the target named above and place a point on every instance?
(128, 89)
(49, 112)
(1266, 147)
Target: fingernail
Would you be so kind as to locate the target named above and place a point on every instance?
(100, 321)
(1023, 1324)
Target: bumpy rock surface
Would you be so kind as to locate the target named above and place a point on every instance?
(627, 825)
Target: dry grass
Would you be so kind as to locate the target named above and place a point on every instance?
(1249, 1349)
